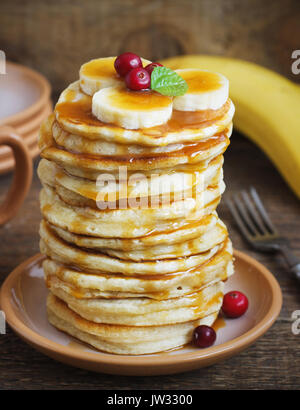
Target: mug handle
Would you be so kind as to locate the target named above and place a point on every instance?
(22, 174)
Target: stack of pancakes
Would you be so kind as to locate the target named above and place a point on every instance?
(134, 264)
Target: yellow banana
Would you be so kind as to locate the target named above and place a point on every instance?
(267, 108)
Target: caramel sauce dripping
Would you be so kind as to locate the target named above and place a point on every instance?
(154, 277)
(48, 281)
(74, 290)
(219, 323)
(198, 301)
(46, 208)
(142, 202)
(88, 193)
(189, 150)
(188, 120)
(200, 305)
(79, 111)
(77, 293)
(46, 137)
(76, 224)
(188, 225)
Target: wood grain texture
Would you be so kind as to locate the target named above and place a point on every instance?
(57, 36)
(271, 363)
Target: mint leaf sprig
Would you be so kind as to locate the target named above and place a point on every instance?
(168, 82)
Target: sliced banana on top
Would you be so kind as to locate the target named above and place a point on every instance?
(131, 109)
(100, 73)
(206, 90)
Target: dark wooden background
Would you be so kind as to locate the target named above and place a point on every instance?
(56, 37)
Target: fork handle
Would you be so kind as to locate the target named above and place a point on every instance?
(292, 260)
(296, 270)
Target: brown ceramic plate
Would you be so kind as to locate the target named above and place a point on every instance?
(23, 93)
(23, 298)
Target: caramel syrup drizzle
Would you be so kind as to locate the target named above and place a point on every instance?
(79, 111)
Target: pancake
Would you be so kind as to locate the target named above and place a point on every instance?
(144, 311)
(108, 193)
(135, 185)
(61, 251)
(156, 241)
(128, 222)
(85, 285)
(78, 144)
(198, 152)
(200, 244)
(122, 339)
(73, 112)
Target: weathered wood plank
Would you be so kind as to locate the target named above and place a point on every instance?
(57, 37)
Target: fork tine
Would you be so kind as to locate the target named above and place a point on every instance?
(244, 215)
(253, 213)
(262, 211)
(238, 220)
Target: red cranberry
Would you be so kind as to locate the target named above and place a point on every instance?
(204, 336)
(126, 62)
(150, 67)
(235, 304)
(138, 79)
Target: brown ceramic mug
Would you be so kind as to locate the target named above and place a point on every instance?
(22, 174)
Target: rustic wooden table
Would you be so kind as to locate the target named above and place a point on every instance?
(273, 362)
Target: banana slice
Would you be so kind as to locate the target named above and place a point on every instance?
(207, 90)
(100, 73)
(131, 109)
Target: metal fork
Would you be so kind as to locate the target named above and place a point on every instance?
(258, 230)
